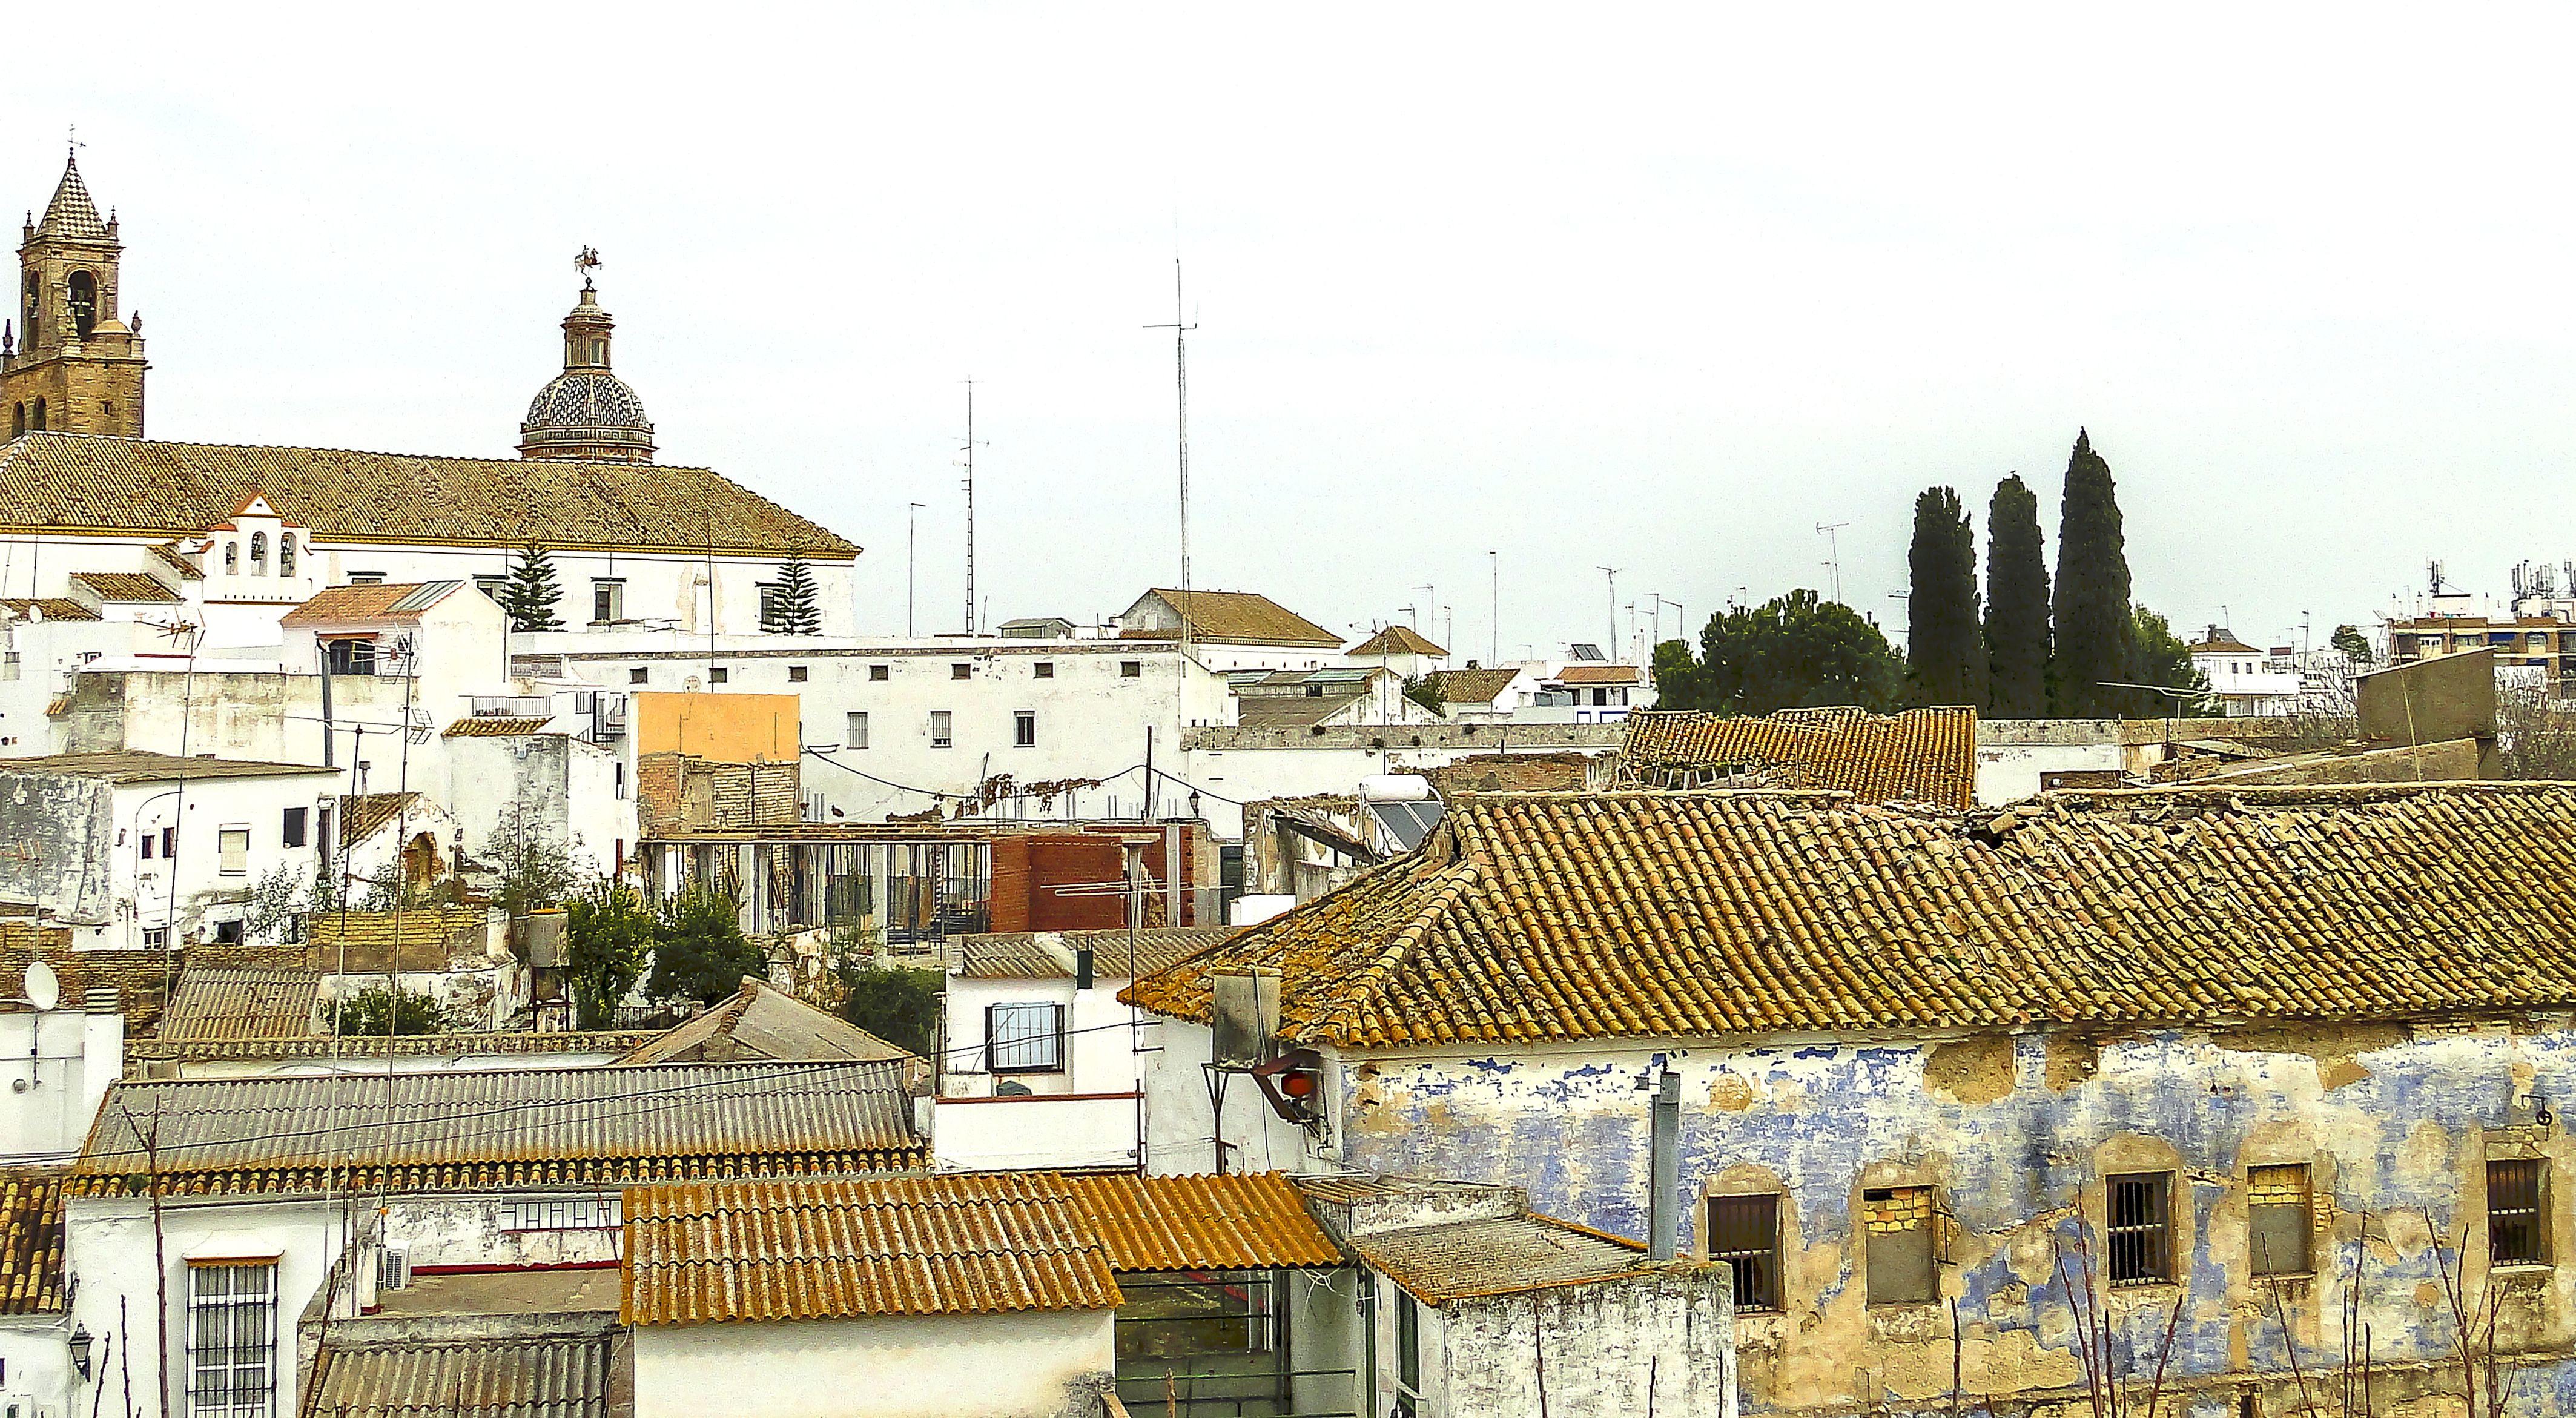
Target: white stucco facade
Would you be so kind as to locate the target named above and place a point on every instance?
(58, 1063)
(1021, 1365)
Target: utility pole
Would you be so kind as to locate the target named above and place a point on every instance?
(1181, 327)
(1494, 646)
(1431, 602)
(1681, 621)
(1833, 553)
(911, 545)
(1613, 573)
(970, 507)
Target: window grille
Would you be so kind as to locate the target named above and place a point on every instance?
(232, 1341)
(578, 1213)
(1744, 1232)
(2515, 1231)
(1025, 1038)
(2141, 1227)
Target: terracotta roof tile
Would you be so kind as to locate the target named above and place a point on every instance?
(1240, 618)
(494, 728)
(134, 765)
(1471, 686)
(170, 556)
(31, 1242)
(371, 600)
(1567, 916)
(1244, 1221)
(361, 814)
(127, 587)
(1598, 674)
(1921, 755)
(92, 483)
(835, 1248)
(1019, 955)
(1396, 640)
(54, 607)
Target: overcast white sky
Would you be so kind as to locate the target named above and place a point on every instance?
(1656, 289)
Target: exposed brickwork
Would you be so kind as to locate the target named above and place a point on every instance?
(681, 792)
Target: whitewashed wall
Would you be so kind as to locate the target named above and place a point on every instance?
(1024, 1365)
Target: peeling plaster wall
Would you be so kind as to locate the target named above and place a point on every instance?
(56, 830)
(1603, 1346)
(2014, 1133)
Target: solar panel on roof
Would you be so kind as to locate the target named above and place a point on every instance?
(425, 595)
(1408, 823)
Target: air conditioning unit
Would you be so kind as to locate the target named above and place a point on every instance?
(393, 1269)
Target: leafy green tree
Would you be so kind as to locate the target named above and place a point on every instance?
(2164, 659)
(610, 934)
(2096, 637)
(274, 913)
(536, 870)
(378, 1010)
(2016, 604)
(1794, 651)
(1677, 676)
(528, 598)
(702, 954)
(1424, 692)
(897, 1005)
(793, 610)
(2354, 645)
(1945, 656)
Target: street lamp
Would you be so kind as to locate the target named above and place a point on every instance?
(80, 1351)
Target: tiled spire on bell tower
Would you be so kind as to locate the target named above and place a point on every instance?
(67, 363)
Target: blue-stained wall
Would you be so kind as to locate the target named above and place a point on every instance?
(2015, 1134)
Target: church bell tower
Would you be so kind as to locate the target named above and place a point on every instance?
(67, 363)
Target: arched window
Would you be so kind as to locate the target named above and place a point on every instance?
(84, 303)
(40, 416)
(599, 352)
(259, 553)
(34, 288)
(17, 420)
(286, 553)
(232, 558)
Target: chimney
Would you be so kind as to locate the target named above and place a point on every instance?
(1664, 1184)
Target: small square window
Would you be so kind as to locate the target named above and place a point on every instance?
(2141, 1209)
(156, 937)
(292, 834)
(149, 841)
(2517, 1215)
(366, 578)
(2277, 1220)
(1744, 1232)
(1131, 669)
(1024, 729)
(1045, 669)
(228, 932)
(795, 674)
(939, 728)
(879, 672)
(638, 675)
(232, 851)
(858, 734)
(961, 671)
(1025, 1038)
(607, 600)
(719, 675)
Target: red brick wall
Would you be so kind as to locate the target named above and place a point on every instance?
(1010, 899)
(1067, 861)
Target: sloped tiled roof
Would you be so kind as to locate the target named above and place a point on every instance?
(72, 214)
(371, 600)
(134, 765)
(1500, 1255)
(472, 1129)
(1921, 755)
(1563, 916)
(1396, 640)
(1598, 674)
(1244, 1221)
(1240, 618)
(127, 587)
(31, 1242)
(835, 1248)
(361, 814)
(238, 1002)
(1290, 711)
(1019, 955)
(758, 1022)
(54, 607)
(560, 1376)
(1470, 686)
(87, 482)
(494, 728)
(478, 1043)
(169, 556)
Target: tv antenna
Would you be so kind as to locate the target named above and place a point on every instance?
(1833, 553)
(2433, 572)
(1181, 327)
(969, 450)
(1613, 573)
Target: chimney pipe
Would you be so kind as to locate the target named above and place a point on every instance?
(1082, 968)
(1664, 1185)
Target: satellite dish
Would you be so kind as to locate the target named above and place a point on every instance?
(43, 990)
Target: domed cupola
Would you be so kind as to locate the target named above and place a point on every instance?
(587, 412)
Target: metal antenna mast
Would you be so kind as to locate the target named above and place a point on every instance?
(1613, 573)
(1181, 327)
(970, 507)
(1834, 553)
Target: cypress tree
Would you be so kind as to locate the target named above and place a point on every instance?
(1947, 663)
(2096, 641)
(2016, 604)
(529, 596)
(792, 611)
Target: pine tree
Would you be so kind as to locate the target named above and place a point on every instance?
(792, 611)
(1948, 664)
(2096, 641)
(529, 596)
(2016, 604)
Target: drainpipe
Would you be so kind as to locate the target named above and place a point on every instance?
(1664, 1185)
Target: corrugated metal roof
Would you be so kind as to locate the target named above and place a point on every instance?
(1235, 1222)
(499, 1128)
(314, 1046)
(236, 1002)
(480, 1378)
(1496, 1256)
(838, 1248)
(1024, 955)
(137, 766)
(757, 1022)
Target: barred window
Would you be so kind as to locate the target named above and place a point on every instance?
(232, 1341)
(2141, 1227)
(2516, 1233)
(2277, 1219)
(574, 1213)
(1025, 1038)
(1744, 1232)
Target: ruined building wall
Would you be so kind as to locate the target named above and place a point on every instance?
(2013, 1136)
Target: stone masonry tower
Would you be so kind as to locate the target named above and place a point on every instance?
(66, 362)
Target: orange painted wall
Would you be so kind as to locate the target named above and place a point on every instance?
(724, 728)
